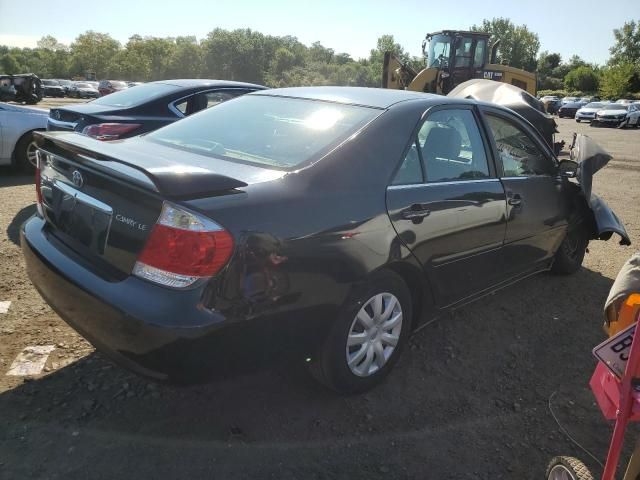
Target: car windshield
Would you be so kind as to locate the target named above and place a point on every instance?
(83, 85)
(277, 132)
(50, 82)
(617, 106)
(135, 96)
(65, 82)
(594, 105)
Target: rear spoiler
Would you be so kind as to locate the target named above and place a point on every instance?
(170, 181)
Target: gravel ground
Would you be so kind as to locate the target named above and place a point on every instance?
(468, 400)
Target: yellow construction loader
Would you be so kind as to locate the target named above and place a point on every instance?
(453, 57)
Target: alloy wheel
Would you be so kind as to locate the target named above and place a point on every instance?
(374, 334)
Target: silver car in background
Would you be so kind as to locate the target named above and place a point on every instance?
(17, 124)
(588, 112)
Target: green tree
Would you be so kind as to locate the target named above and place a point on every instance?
(386, 43)
(49, 42)
(236, 55)
(548, 61)
(616, 80)
(186, 60)
(518, 45)
(9, 64)
(584, 79)
(627, 46)
(93, 51)
(283, 60)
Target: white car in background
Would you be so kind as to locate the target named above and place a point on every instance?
(588, 112)
(17, 124)
(618, 115)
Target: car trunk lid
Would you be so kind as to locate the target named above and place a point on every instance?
(101, 200)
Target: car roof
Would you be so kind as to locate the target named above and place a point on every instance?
(370, 97)
(203, 82)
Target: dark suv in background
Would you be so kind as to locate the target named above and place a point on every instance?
(144, 108)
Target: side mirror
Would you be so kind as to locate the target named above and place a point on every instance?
(568, 168)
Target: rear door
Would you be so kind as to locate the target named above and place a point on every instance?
(538, 205)
(448, 206)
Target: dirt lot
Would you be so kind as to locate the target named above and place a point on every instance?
(468, 400)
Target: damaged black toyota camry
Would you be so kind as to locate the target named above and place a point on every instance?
(326, 223)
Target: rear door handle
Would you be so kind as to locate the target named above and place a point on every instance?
(416, 211)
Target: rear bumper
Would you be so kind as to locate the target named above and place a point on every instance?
(167, 334)
(156, 332)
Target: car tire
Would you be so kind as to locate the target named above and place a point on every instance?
(383, 346)
(24, 153)
(569, 468)
(570, 255)
(577, 121)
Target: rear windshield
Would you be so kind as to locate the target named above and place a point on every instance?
(50, 82)
(276, 132)
(136, 95)
(594, 105)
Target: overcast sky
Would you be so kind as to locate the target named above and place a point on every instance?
(565, 26)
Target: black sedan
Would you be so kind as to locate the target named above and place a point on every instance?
(569, 109)
(143, 108)
(326, 223)
(83, 90)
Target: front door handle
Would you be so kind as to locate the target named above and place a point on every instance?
(515, 200)
(416, 211)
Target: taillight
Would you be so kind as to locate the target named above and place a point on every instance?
(182, 248)
(109, 131)
(38, 181)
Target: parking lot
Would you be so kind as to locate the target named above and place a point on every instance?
(469, 398)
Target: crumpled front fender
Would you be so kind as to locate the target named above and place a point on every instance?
(591, 158)
(607, 223)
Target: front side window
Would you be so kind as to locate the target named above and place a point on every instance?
(275, 132)
(519, 154)
(463, 51)
(451, 147)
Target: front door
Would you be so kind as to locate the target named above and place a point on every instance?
(448, 206)
(538, 205)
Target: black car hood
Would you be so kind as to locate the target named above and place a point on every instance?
(513, 98)
(591, 158)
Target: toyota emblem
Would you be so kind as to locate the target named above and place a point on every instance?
(76, 178)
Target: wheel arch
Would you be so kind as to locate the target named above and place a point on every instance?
(20, 138)
(421, 298)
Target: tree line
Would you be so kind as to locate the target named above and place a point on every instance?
(278, 61)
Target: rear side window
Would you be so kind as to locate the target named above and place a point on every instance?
(410, 171)
(203, 100)
(451, 147)
(519, 154)
(276, 132)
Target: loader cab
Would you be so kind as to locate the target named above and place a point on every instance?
(459, 56)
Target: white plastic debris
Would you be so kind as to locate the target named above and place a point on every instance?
(4, 306)
(31, 360)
